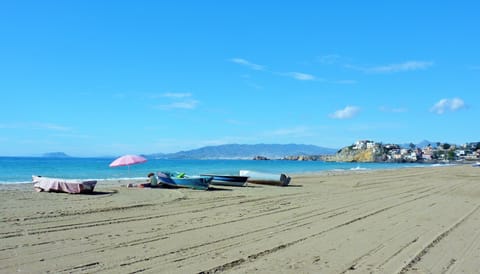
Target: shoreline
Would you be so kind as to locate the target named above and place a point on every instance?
(112, 181)
(21, 170)
(406, 220)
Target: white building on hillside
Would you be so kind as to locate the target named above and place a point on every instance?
(363, 144)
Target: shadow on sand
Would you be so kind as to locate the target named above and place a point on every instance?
(219, 189)
(102, 192)
(254, 186)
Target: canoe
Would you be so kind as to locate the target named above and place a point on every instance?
(227, 180)
(192, 182)
(47, 184)
(477, 164)
(264, 178)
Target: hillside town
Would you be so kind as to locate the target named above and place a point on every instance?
(371, 151)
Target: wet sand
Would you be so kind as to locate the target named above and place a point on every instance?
(416, 220)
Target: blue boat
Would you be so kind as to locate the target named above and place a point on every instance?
(227, 180)
(192, 182)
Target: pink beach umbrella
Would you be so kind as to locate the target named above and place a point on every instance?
(128, 160)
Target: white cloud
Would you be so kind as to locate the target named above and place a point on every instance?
(301, 76)
(391, 68)
(444, 105)
(247, 64)
(49, 126)
(406, 66)
(189, 104)
(346, 113)
(176, 95)
(295, 75)
(178, 100)
(329, 59)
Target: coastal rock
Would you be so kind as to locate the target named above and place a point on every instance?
(305, 158)
(364, 155)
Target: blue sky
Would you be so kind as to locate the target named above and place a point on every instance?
(95, 78)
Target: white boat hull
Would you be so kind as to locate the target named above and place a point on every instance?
(256, 177)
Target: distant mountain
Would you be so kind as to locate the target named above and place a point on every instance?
(425, 143)
(422, 144)
(55, 155)
(237, 151)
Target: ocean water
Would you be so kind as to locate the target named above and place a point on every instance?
(20, 169)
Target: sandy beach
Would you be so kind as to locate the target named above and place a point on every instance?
(415, 220)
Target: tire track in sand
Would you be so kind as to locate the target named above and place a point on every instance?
(255, 256)
(435, 241)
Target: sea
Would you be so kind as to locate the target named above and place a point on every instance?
(18, 170)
